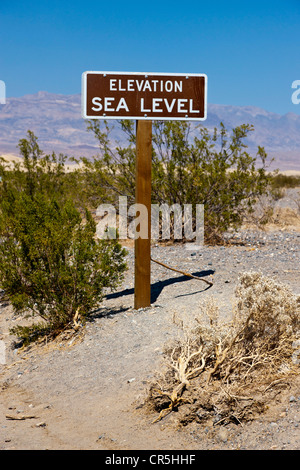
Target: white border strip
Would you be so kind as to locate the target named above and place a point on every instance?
(84, 98)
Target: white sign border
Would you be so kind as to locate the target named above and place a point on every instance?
(145, 118)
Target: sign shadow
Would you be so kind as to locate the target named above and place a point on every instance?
(157, 287)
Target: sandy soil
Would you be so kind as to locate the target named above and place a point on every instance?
(87, 392)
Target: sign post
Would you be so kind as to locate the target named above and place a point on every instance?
(142, 291)
(143, 97)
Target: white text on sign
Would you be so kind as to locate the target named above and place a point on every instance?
(158, 105)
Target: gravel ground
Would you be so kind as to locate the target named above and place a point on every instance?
(87, 393)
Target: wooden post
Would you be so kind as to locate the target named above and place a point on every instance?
(142, 289)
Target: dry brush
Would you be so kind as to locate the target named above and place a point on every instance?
(230, 372)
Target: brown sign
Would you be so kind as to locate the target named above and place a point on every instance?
(116, 95)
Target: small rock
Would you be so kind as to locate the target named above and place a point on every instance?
(223, 435)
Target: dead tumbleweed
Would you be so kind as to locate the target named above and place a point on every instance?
(231, 372)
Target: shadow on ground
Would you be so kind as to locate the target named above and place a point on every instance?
(158, 286)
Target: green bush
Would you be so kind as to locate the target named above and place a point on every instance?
(207, 168)
(51, 264)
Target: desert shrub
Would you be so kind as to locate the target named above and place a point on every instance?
(37, 172)
(281, 181)
(111, 173)
(268, 309)
(225, 372)
(212, 168)
(51, 264)
(207, 168)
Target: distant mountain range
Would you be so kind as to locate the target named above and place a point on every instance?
(56, 121)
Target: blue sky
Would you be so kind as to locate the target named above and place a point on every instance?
(248, 49)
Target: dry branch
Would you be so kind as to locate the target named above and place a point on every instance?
(75, 318)
(20, 417)
(182, 272)
(182, 364)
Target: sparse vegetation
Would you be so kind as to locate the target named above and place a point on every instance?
(280, 181)
(49, 253)
(53, 269)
